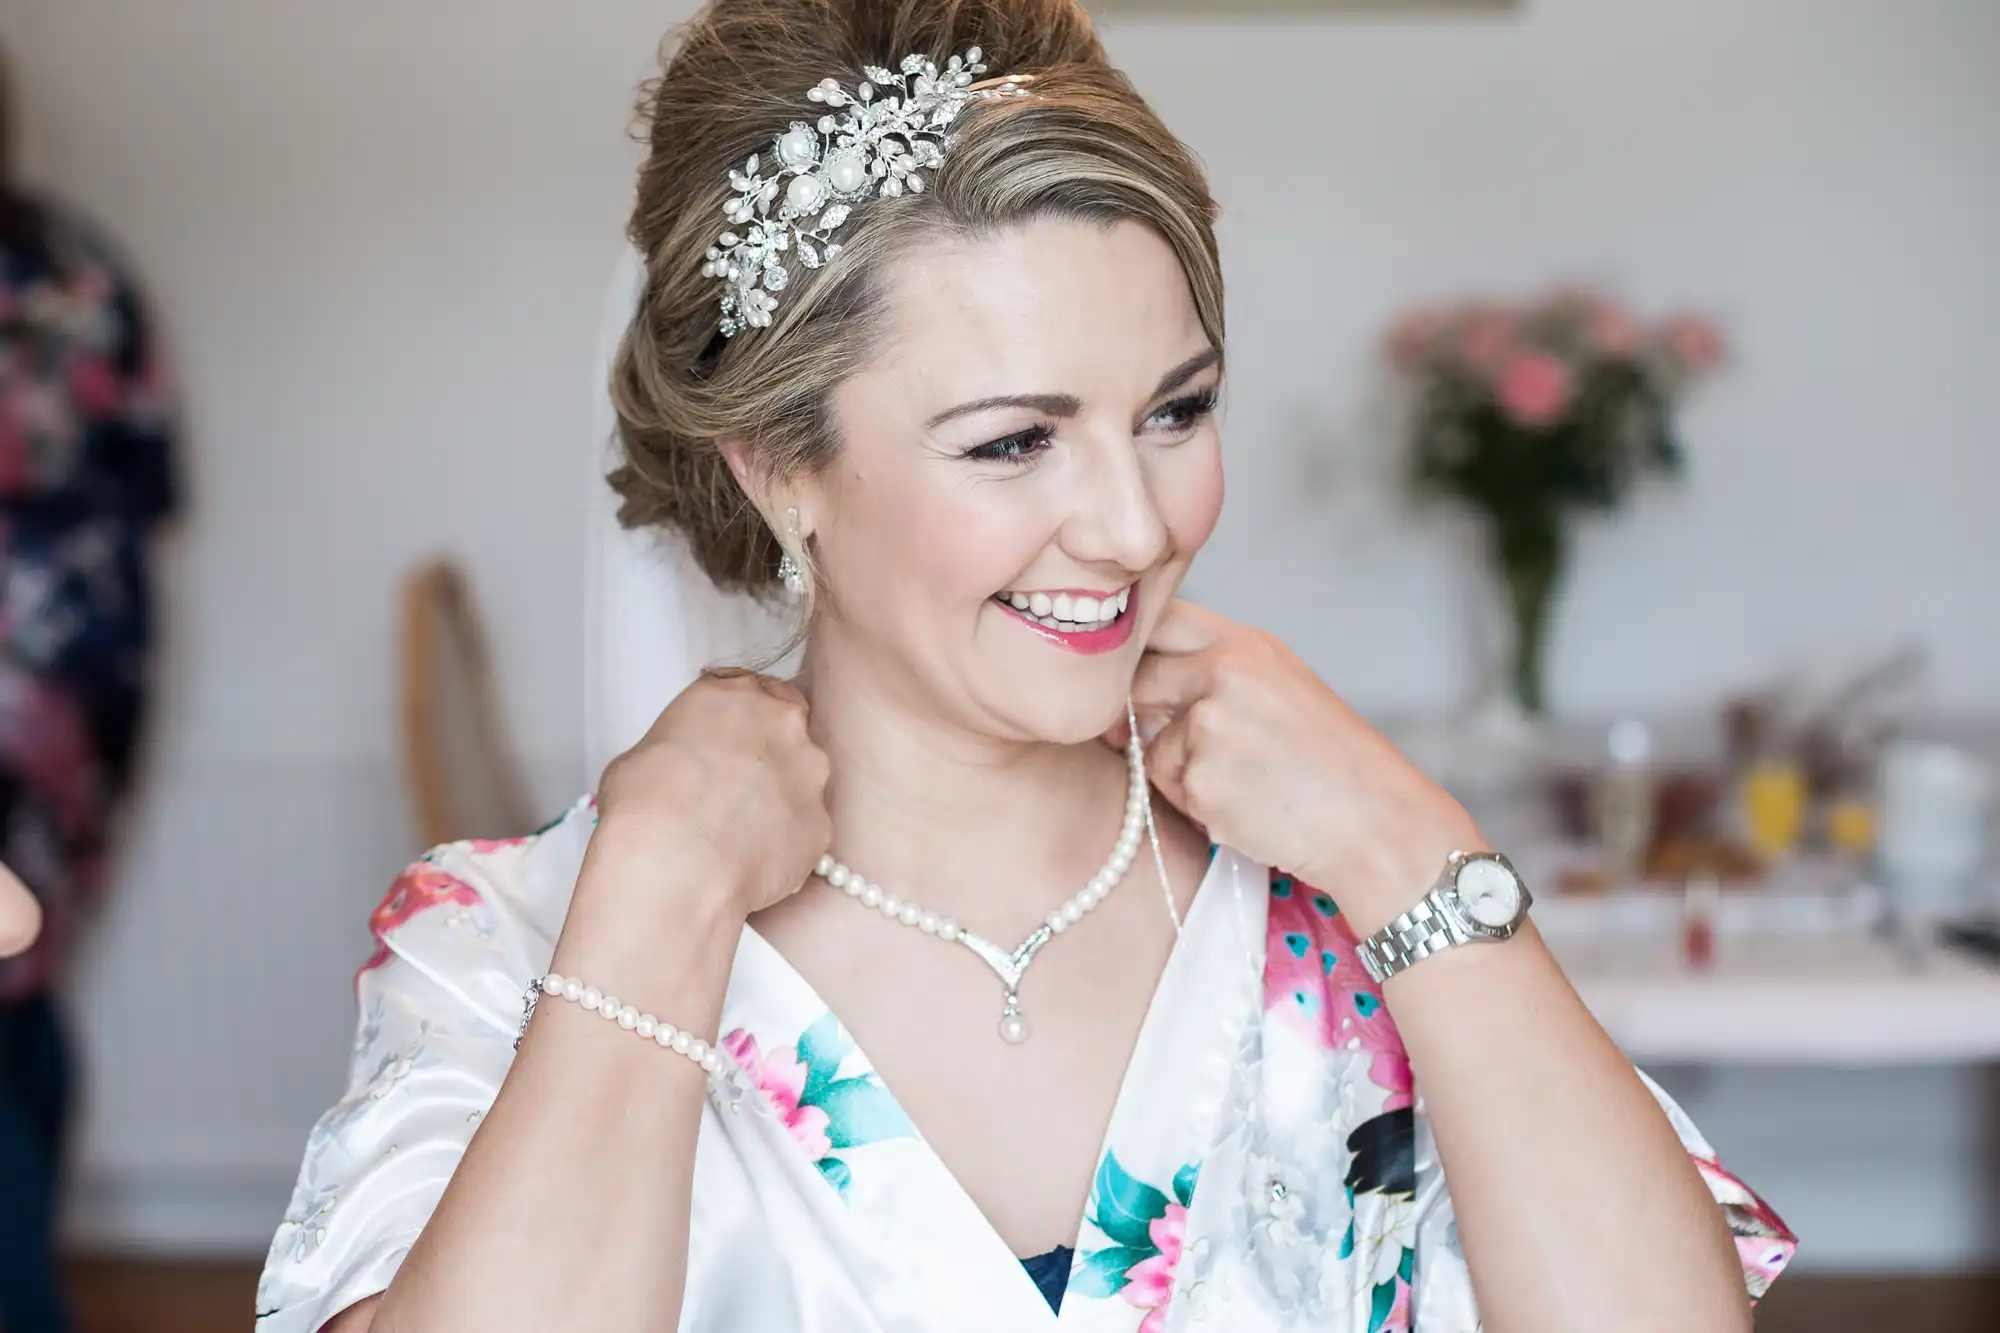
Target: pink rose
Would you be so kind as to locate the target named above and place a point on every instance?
(1486, 337)
(1610, 330)
(781, 1076)
(1694, 343)
(1534, 390)
(1411, 336)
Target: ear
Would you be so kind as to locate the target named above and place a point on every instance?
(770, 496)
(736, 452)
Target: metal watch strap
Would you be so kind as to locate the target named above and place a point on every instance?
(1409, 939)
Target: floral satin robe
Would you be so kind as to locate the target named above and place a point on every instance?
(1267, 1164)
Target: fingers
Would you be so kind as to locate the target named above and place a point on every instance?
(1186, 627)
(1166, 763)
(1169, 684)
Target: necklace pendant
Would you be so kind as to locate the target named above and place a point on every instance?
(1013, 1027)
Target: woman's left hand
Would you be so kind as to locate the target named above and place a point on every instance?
(1249, 743)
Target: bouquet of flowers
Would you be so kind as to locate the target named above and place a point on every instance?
(1533, 412)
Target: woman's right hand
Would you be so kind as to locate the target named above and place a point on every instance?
(724, 799)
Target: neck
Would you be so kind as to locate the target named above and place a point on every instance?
(991, 831)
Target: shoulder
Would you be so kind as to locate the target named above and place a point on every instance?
(482, 916)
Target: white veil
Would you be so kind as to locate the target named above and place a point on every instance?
(652, 620)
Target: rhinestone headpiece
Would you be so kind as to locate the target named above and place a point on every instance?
(876, 141)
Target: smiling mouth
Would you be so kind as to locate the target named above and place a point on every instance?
(1066, 613)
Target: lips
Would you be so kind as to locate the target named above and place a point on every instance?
(1090, 642)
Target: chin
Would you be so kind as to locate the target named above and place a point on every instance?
(1081, 713)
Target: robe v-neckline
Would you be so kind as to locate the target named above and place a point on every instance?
(900, 1216)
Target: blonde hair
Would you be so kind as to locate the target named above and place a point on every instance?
(1084, 147)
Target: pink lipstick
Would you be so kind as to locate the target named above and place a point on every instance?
(1090, 642)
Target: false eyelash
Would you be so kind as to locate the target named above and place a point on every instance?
(1031, 441)
(1196, 405)
(1027, 443)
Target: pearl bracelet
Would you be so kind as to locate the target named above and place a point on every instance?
(656, 1030)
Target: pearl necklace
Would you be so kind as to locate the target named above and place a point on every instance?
(1011, 967)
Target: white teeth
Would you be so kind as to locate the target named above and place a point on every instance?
(1063, 612)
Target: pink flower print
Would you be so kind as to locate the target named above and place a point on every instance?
(1149, 1284)
(419, 888)
(91, 287)
(1398, 1318)
(1764, 1244)
(1534, 390)
(781, 1076)
(94, 385)
(1313, 973)
(45, 740)
(17, 456)
(484, 845)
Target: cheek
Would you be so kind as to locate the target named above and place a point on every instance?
(1190, 495)
(914, 541)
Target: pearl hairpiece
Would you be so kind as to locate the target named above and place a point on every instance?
(887, 133)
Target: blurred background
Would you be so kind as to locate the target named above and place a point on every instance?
(1724, 664)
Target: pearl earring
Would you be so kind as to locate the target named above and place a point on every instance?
(789, 572)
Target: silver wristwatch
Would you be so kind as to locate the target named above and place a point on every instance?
(1478, 898)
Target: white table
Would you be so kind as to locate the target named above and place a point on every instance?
(1840, 1000)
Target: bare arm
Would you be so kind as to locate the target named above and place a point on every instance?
(1577, 1205)
(542, 1225)
(1578, 1208)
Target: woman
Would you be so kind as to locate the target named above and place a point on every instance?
(86, 478)
(953, 391)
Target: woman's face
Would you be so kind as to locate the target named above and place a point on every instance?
(1033, 449)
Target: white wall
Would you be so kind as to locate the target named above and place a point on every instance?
(378, 235)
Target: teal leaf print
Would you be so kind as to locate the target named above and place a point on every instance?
(1385, 1300)
(1123, 1207)
(835, 1171)
(1184, 1183)
(821, 1049)
(1101, 1273)
(860, 1111)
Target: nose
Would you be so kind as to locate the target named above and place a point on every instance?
(1116, 519)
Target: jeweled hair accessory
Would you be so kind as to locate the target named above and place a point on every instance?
(879, 145)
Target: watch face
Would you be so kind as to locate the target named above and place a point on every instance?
(1489, 892)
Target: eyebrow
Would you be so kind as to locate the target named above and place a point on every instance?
(1068, 405)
